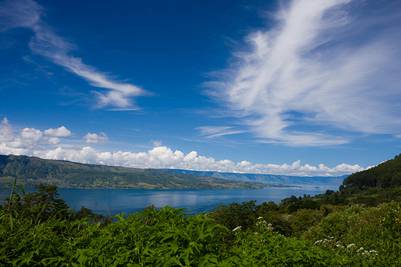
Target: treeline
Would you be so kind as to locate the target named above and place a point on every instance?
(295, 215)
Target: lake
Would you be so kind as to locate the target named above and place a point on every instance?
(113, 201)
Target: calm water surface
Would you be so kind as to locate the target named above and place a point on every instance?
(113, 201)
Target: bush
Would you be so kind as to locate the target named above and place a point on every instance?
(374, 230)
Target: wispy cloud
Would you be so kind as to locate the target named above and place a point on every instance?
(317, 74)
(45, 42)
(35, 142)
(217, 131)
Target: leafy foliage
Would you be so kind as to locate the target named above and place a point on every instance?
(374, 233)
(38, 229)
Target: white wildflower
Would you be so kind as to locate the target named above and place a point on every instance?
(238, 228)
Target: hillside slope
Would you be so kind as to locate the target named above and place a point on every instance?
(324, 182)
(384, 175)
(32, 170)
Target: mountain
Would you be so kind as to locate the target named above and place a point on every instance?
(384, 175)
(323, 182)
(33, 171)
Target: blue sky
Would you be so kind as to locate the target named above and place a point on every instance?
(246, 85)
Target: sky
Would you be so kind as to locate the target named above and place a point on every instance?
(306, 87)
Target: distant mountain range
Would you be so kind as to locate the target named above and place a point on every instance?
(322, 182)
(66, 174)
(33, 171)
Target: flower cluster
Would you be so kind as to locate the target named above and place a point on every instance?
(324, 241)
(331, 242)
(261, 222)
(366, 252)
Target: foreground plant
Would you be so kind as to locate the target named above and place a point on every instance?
(38, 229)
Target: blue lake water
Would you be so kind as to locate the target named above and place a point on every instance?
(113, 201)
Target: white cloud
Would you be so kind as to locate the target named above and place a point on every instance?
(24, 13)
(31, 135)
(318, 75)
(94, 138)
(53, 140)
(6, 132)
(61, 131)
(28, 138)
(27, 14)
(165, 157)
(30, 141)
(217, 131)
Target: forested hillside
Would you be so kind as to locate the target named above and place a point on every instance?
(34, 171)
(386, 174)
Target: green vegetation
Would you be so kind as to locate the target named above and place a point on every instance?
(386, 174)
(35, 171)
(359, 225)
(37, 229)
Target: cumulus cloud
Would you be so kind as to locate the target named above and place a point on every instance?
(165, 157)
(322, 71)
(30, 135)
(61, 131)
(45, 42)
(30, 141)
(6, 132)
(53, 140)
(94, 138)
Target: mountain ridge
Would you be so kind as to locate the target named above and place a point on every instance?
(333, 182)
(68, 174)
